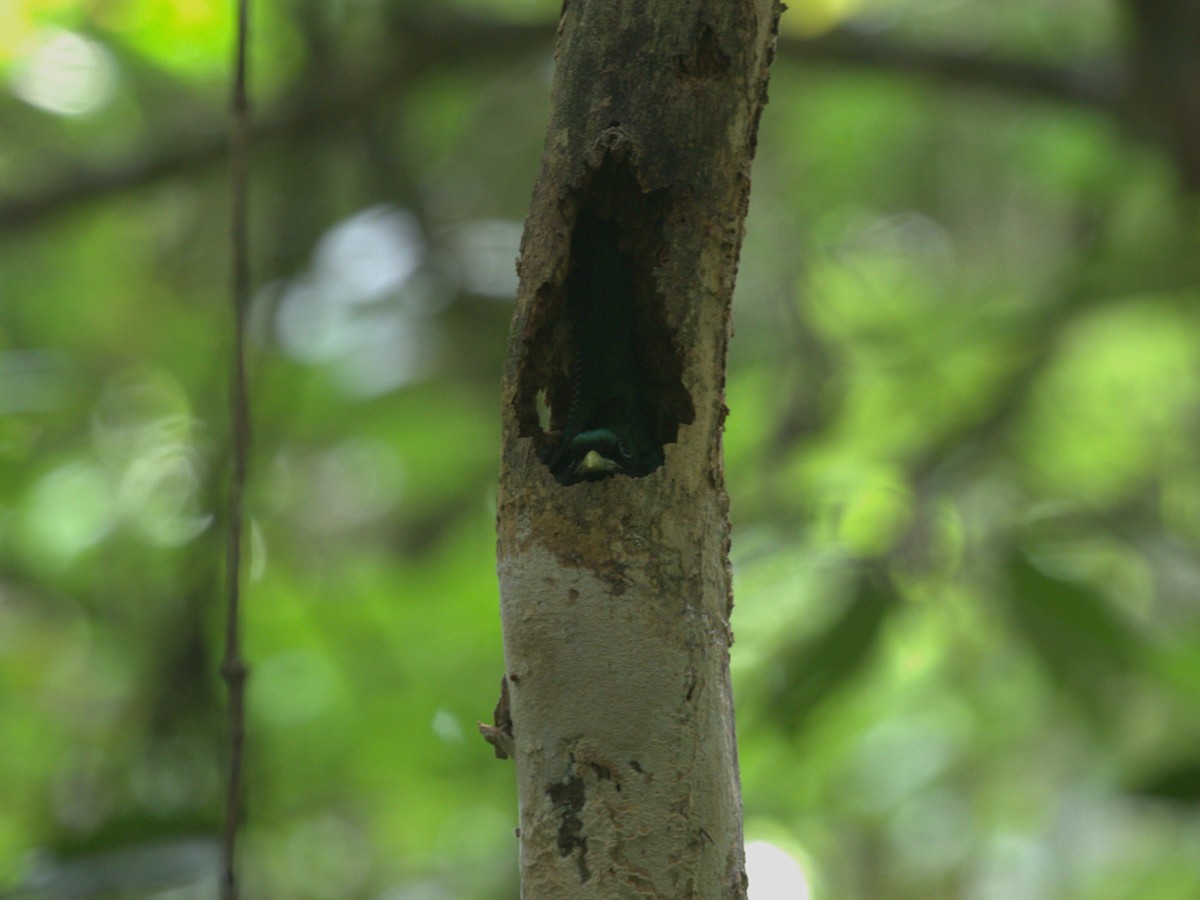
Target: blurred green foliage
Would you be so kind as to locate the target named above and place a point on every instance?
(962, 454)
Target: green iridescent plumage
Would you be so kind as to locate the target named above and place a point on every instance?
(608, 427)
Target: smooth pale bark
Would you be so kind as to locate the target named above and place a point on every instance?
(615, 594)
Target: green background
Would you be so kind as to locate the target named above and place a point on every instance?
(962, 456)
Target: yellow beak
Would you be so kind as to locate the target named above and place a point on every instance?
(593, 463)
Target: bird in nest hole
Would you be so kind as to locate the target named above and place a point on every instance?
(608, 429)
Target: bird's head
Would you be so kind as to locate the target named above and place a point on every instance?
(598, 453)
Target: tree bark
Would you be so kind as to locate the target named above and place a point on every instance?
(614, 581)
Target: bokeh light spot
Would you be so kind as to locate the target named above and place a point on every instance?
(65, 73)
(774, 873)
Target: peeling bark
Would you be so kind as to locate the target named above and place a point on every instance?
(615, 582)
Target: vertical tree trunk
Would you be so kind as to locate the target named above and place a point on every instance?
(1164, 82)
(613, 517)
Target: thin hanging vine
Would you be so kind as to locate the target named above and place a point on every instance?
(233, 668)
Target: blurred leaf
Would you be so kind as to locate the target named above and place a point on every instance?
(1179, 781)
(136, 869)
(816, 668)
(1077, 633)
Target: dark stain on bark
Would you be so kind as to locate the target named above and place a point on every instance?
(568, 798)
(604, 773)
(706, 60)
(691, 685)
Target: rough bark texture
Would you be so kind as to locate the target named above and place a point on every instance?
(615, 593)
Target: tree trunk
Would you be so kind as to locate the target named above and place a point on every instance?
(1164, 82)
(613, 517)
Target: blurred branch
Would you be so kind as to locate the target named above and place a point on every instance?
(1164, 79)
(233, 666)
(1095, 85)
(304, 114)
(429, 42)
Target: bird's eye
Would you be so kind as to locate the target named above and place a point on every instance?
(624, 451)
